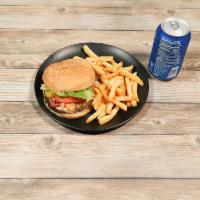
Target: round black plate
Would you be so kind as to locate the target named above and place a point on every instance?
(100, 49)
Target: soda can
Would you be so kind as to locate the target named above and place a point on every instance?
(170, 44)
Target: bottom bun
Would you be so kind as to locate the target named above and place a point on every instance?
(75, 115)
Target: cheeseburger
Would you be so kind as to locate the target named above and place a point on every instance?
(68, 88)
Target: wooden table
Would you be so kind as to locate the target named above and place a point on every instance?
(155, 156)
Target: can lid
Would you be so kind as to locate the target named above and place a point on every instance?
(175, 27)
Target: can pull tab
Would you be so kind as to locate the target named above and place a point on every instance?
(174, 25)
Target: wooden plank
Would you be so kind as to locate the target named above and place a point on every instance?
(92, 18)
(46, 42)
(105, 3)
(79, 189)
(24, 41)
(27, 117)
(17, 85)
(26, 61)
(99, 156)
(78, 3)
(167, 4)
(31, 61)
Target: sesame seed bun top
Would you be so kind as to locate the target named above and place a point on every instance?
(69, 75)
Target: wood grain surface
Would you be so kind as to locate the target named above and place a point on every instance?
(104, 3)
(92, 18)
(156, 156)
(84, 189)
(99, 156)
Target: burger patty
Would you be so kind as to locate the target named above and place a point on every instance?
(70, 108)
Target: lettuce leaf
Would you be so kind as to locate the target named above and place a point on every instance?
(86, 94)
(83, 94)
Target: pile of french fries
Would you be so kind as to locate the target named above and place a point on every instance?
(115, 88)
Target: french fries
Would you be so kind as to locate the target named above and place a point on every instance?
(107, 118)
(115, 88)
(106, 58)
(115, 85)
(117, 65)
(134, 89)
(120, 104)
(131, 76)
(130, 68)
(109, 108)
(100, 58)
(97, 99)
(110, 75)
(119, 92)
(98, 70)
(128, 87)
(77, 57)
(88, 51)
(108, 67)
(124, 98)
(96, 114)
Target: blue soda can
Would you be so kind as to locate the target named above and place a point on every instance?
(170, 44)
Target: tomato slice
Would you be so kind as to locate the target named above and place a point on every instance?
(67, 100)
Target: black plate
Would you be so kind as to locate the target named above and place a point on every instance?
(100, 49)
